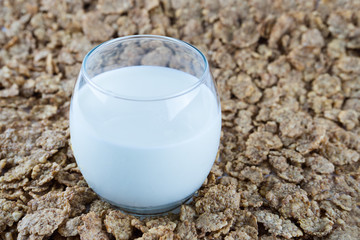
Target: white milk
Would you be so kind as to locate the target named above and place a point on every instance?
(145, 153)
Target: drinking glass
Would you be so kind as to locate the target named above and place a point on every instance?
(145, 122)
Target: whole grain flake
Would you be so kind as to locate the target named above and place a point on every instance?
(287, 74)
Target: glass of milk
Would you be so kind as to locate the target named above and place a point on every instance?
(145, 122)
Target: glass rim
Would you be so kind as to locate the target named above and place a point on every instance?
(144, 36)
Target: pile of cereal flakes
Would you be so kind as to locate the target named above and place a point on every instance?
(288, 74)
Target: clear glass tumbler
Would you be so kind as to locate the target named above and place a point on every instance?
(145, 122)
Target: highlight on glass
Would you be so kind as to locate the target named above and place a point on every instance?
(145, 122)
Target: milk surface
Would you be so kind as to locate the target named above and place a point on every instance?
(145, 153)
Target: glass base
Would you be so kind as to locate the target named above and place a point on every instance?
(152, 211)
